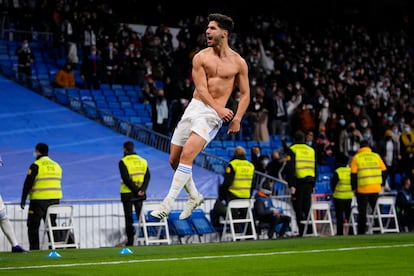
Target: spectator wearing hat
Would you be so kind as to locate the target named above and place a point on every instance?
(342, 193)
(368, 176)
(43, 187)
(267, 214)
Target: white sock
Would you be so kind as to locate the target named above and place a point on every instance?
(190, 188)
(182, 175)
(8, 231)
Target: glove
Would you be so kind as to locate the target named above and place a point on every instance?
(22, 203)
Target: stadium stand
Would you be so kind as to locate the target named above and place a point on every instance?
(89, 152)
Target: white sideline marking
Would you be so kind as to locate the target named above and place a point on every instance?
(207, 257)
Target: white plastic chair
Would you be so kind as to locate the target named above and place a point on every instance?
(63, 234)
(385, 215)
(319, 214)
(153, 231)
(245, 225)
(353, 217)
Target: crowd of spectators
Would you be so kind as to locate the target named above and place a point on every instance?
(342, 82)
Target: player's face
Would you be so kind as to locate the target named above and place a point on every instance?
(214, 34)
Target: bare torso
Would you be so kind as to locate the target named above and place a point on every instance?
(221, 74)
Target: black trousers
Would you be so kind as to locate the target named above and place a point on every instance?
(301, 202)
(363, 201)
(37, 213)
(270, 221)
(129, 220)
(342, 207)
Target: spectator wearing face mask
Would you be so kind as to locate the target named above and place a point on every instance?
(367, 135)
(91, 69)
(364, 124)
(25, 59)
(324, 113)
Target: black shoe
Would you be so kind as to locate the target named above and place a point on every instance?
(19, 249)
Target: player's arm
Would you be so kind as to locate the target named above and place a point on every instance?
(242, 82)
(244, 88)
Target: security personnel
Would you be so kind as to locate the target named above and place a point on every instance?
(135, 177)
(301, 175)
(237, 183)
(238, 177)
(368, 176)
(342, 193)
(43, 186)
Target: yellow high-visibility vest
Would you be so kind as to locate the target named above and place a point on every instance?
(304, 160)
(369, 168)
(47, 184)
(137, 167)
(244, 172)
(343, 189)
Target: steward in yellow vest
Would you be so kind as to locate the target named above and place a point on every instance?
(238, 177)
(368, 176)
(342, 193)
(301, 175)
(237, 183)
(43, 186)
(135, 177)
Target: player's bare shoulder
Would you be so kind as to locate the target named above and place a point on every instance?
(202, 54)
(239, 59)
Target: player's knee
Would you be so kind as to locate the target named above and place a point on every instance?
(174, 163)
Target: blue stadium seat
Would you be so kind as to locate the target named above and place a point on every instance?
(216, 144)
(240, 143)
(91, 112)
(111, 98)
(129, 112)
(119, 92)
(222, 152)
(73, 92)
(180, 227)
(135, 119)
(61, 96)
(105, 86)
(228, 143)
(251, 144)
(116, 86)
(201, 223)
(101, 104)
